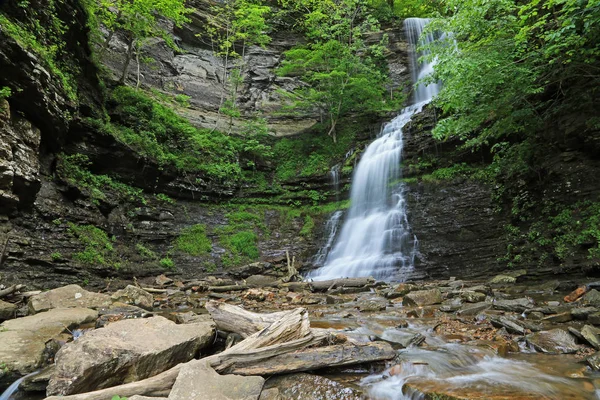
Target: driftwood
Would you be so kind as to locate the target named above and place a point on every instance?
(229, 288)
(322, 286)
(10, 290)
(285, 343)
(235, 319)
(316, 358)
(154, 290)
(288, 332)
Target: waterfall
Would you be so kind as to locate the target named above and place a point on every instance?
(12, 389)
(335, 180)
(375, 238)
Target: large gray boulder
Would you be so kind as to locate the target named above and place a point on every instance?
(126, 351)
(71, 296)
(197, 381)
(422, 298)
(555, 341)
(23, 340)
(134, 295)
(7, 310)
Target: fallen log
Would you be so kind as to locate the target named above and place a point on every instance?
(322, 286)
(229, 288)
(235, 319)
(314, 358)
(291, 332)
(154, 290)
(10, 290)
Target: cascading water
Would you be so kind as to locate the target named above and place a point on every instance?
(375, 239)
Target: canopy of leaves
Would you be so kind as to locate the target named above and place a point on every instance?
(344, 73)
(509, 67)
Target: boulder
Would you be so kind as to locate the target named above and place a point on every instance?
(592, 298)
(260, 281)
(23, 340)
(583, 312)
(473, 309)
(422, 298)
(134, 295)
(7, 310)
(71, 296)
(555, 341)
(126, 351)
(558, 318)
(311, 387)
(591, 335)
(516, 305)
(197, 381)
(510, 325)
(594, 361)
(594, 318)
(472, 297)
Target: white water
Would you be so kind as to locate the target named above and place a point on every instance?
(12, 389)
(375, 239)
(331, 228)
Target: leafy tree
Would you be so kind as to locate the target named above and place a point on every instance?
(139, 20)
(340, 81)
(344, 74)
(509, 67)
(236, 24)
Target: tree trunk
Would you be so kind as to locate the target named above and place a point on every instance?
(127, 60)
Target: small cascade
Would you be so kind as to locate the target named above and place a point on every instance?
(12, 389)
(375, 239)
(334, 174)
(331, 229)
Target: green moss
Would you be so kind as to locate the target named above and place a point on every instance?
(145, 252)
(307, 228)
(156, 131)
(46, 40)
(56, 256)
(74, 170)
(167, 263)
(193, 241)
(98, 248)
(163, 198)
(311, 154)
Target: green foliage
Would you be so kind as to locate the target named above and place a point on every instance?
(158, 132)
(345, 75)
(99, 249)
(561, 234)
(5, 92)
(307, 228)
(117, 397)
(244, 244)
(167, 263)
(193, 241)
(385, 10)
(163, 198)
(74, 170)
(56, 256)
(310, 154)
(509, 67)
(138, 20)
(145, 252)
(47, 40)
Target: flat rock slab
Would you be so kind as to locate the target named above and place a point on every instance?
(197, 381)
(126, 351)
(71, 296)
(23, 340)
(516, 305)
(7, 310)
(311, 387)
(422, 298)
(555, 341)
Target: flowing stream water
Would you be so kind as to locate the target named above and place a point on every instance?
(375, 238)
